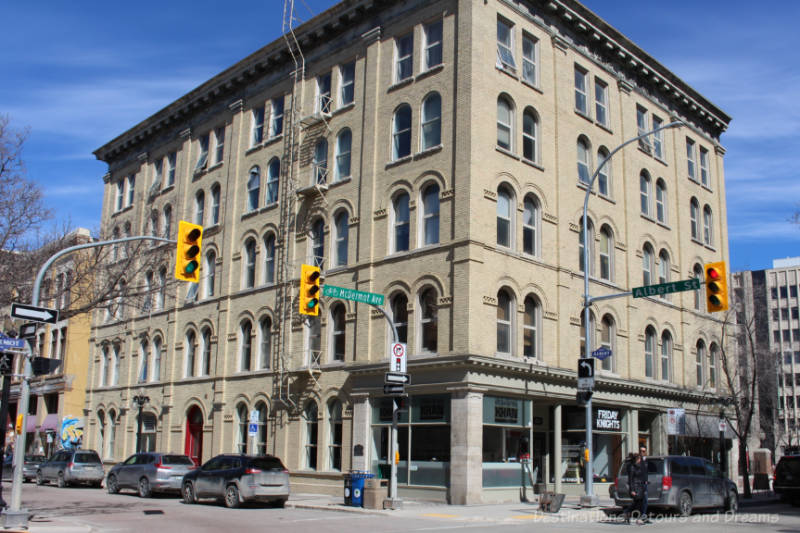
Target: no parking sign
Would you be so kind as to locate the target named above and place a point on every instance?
(398, 358)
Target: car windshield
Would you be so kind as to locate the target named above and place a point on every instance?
(35, 458)
(267, 463)
(176, 460)
(790, 465)
(87, 457)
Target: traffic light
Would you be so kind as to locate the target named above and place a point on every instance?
(309, 290)
(18, 425)
(187, 256)
(583, 397)
(716, 287)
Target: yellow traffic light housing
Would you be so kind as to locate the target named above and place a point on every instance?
(18, 425)
(716, 287)
(309, 290)
(187, 256)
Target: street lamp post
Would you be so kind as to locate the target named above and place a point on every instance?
(140, 399)
(589, 499)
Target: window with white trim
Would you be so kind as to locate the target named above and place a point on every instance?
(202, 157)
(324, 100)
(604, 172)
(347, 77)
(433, 44)
(428, 325)
(199, 207)
(658, 138)
(690, 159)
(584, 160)
(581, 87)
(505, 45)
(338, 332)
(505, 123)
(257, 127)
(276, 117)
(530, 59)
(219, 144)
(649, 352)
(505, 212)
(245, 345)
(644, 192)
(607, 337)
(530, 133)
(531, 321)
(344, 143)
(401, 222)
(601, 102)
(403, 57)
(253, 188)
(666, 356)
(342, 238)
(642, 128)
(401, 132)
(505, 307)
(708, 226)
(694, 218)
(431, 135)
(606, 253)
(273, 175)
(704, 166)
(661, 201)
(215, 198)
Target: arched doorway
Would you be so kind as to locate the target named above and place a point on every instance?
(193, 447)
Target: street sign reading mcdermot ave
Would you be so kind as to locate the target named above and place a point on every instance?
(343, 293)
(692, 284)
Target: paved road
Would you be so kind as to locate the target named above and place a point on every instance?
(84, 510)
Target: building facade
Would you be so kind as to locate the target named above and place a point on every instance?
(363, 142)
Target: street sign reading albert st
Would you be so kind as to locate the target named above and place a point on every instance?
(343, 293)
(691, 284)
(31, 312)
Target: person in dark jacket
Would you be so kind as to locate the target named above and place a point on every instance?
(635, 485)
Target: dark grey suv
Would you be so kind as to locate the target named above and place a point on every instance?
(72, 466)
(149, 472)
(236, 479)
(682, 484)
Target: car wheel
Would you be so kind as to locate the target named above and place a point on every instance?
(732, 502)
(188, 493)
(280, 504)
(685, 504)
(62, 483)
(39, 478)
(144, 488)
(112, 486)
(232, 497)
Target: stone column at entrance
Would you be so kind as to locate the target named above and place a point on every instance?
(359, 453)
(466, 447)
(633, 432)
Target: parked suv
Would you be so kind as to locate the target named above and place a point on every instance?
(681, 483)
(72, 466)
(149, 472)
(32, 462)
(787, 478)
(237, 479)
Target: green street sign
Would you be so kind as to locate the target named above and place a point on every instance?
(692, 284)
(342, 293)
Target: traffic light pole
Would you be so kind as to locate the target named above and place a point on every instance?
(14, 516)
(589, 499)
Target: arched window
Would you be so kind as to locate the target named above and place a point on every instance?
(269, 258)
(428, 320)
(253, 189)
(265, 342)
(430, 214)
(242, 419)
(261, 435)
(318, 242)
(344, 144)
(245, 345)
(590, 250)
(505, 307)
(666, 356)
(210, 271)
(319, 166)
(338, 333)
(167, 222)
(648, 261)
(663, 269)
(694, 218)
(155, 375)
(249, 266)
(400, 316)
(162, 288)
(115, 247)
(401, 222)
(431, 121)
(310, 414)
(698, 273)
(584, 161)
(401, 132)
(335, 438)
(530, 223)
(190, 361)
(115, 368)
(700, 359)
(505, 210)
(273, 175)
(342, 238)
(530, 327)
(103, 373)
(607, 337)
(101, 432)
(199, 207)
(530, 135)
(661, 201)
(215, 198)
(649, 352)
(592, 332)
(112, 433)
(713, 356)
(143, 360)
(148, 432)
(606, 254)
(708, 226)
(153, 225)
(604, 175)
(644, 192)
(505, 123)
(205, 362)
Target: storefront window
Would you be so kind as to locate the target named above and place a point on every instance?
(506, 442)
(608, 444)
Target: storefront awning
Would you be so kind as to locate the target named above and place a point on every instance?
(705, 426)
(50, 423)
(30, 423)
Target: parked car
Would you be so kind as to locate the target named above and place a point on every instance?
(32, 462)
(681, 483)
(66, 467)
(787, 478)
(237, 479)
(149, 472)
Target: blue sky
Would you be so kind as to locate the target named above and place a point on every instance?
(81, 73)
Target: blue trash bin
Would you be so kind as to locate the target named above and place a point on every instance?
(357, 487)
(348, 490)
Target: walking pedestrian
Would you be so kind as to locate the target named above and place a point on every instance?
(645, 482)
(634, 473)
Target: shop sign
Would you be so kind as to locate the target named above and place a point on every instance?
(607, 420)
(431, 409)
(505, 411)
(676, 421)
